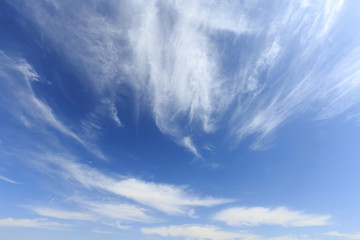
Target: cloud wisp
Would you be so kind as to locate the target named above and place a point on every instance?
(99, 212)
(170, 199)
(25, 105)
(349, 236)
(198, 232)
(169, 54)
(31, 223)
(62, 214)
(253, 216)
(8, 180)
(120, 211)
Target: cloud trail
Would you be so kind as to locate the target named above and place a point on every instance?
(170, 199)
(355, 236)
(30, 223)
(23, 102)
(241, 216)
(199, 232)
(8, 180)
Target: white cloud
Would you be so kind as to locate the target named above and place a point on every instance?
(332, 8)
(63, 214)
(122, 212)
(28, 72)
(170, 55)
(114, 112)
(253, 216)
(187, 142)
(355, 236)
(198, 232)
(26, 105)
(8, 180)
(102, 231)
(30, 223)
(167, 198)
(168, 60)
(285, 238)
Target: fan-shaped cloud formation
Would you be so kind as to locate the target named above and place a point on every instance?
(170, 54)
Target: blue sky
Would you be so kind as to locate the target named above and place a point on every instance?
(180, 120)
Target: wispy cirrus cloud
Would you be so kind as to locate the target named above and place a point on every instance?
(120, 211)
(211, 232)
(170, 199)
(8, 180)
(350, 236)
(21, 100)
(99, 212)
(170, 55)
(63, 214)
(198, 232)
(102, 231)
(253, 216)
(31, 223)
(161, 48)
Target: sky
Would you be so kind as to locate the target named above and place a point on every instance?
(169, 119)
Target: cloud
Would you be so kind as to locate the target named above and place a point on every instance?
(122, 212)
(188, 143)
(167, 198)
(253, 216)
(162, 49)
(8, 180)
(191, 64)
(30, 223)
(114, 112)
(286, 238)
(93, 211)
(18, 77)
(198, 232)
(63, 214)
(102, 231)
(355, 236)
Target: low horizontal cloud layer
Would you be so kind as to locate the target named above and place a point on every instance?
(62, 214)
(253, 216)
(198, 232)
(30, 223)
(349, 236)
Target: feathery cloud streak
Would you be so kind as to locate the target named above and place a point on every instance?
(62, 214)
(198, 232)
(8, 180)
(169, 53)
(30, 223)
(167, 198)
(355, 236)
(21, 100)
(240, 216)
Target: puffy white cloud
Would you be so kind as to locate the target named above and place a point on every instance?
(253, 216)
